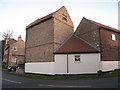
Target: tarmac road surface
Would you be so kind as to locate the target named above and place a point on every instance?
(12, 81)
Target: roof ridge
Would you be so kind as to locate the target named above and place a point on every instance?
(103, 25)
(44, 17)
(60, 8)
(39, 19)
(87, 42)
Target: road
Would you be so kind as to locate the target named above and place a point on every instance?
(12, 81)
(0, 79)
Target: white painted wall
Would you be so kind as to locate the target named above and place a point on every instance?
(110, 65)
(40, 67)
(90, 63)
(61, 64)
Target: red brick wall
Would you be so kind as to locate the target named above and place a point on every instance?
(39, 39)
(44, 38)
(89, 32)
(119, 47)
(42, 53)
(102, 39)
(109, 46)
(19, 54)
(61, 32)
(40, 34)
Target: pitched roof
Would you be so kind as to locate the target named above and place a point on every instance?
(44, 18)
(76, 45)
(11, 41)
(104, 26)
(39, 20)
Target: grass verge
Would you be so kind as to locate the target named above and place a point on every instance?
(72, 77)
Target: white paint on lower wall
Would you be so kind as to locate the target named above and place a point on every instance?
(89, 63)
(110, 65)
(40, 67)
(61, 64)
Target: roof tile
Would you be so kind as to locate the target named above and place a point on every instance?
(105, 26)
(74, 44)
(40, 20)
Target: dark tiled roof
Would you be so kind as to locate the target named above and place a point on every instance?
(11, 41)
(40, 20)
(105, 26)
(75, 44)
(43, 18)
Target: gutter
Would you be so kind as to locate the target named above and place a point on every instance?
(76, 52)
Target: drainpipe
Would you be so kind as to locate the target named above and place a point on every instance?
(67, 65)
(100, 42)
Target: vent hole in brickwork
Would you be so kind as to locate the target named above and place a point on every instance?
(64, 18)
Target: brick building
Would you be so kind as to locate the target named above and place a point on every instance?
(44, 35)
(53, 48)
(0, 53)
(2, 45)
(102, 37)
(92, 47)
(14, 52)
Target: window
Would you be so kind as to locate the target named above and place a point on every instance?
(13, 59)
(113, 37)
(5, 60)
(5, 52)
(14, 48)
(77, 58)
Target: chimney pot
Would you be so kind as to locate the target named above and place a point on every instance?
(19, 38)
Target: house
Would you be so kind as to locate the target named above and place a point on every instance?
(103, 38)
(8, 42)
(0, 54)
(2, 45)
(43, 36)
(93, 47)
(2, 42)
(77, 56)
(53, 48)
(14, 52)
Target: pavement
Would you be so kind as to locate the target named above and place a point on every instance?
(13, 81)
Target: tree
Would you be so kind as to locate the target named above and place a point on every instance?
(7, 32)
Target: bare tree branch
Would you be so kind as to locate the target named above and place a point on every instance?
(10, 34)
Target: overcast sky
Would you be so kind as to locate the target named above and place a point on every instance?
(17, 14)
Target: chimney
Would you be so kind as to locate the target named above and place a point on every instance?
(19, 38)
(6, 39)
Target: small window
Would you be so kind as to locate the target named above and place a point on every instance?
(14, 48)
(13, 59)
(113, 37)
(77, 58)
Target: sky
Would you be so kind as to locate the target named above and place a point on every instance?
(17, 14)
